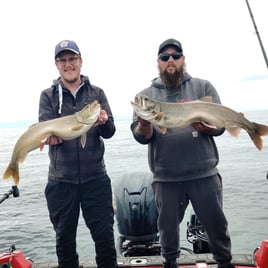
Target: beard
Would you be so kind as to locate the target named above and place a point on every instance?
(171, 80)
(70, 80)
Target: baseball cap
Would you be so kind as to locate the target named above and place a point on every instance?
(170, 43)
(66, 45)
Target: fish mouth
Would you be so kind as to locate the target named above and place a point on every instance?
(141, 112)
(147, 117)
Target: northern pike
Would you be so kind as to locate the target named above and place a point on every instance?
(179, 115)
(67, 128)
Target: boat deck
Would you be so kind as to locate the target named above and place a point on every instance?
(189, 261)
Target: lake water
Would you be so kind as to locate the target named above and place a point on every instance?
(24, 220)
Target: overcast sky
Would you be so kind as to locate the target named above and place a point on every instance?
(119, 40)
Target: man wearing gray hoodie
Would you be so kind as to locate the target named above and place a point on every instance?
(184, 161)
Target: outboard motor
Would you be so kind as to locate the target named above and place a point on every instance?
(136, 215)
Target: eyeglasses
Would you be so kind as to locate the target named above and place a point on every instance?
(166, 56)
(72, 60)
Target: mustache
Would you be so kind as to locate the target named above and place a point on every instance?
(171, 80)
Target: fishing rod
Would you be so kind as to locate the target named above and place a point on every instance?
(13, 191)
(258, 35)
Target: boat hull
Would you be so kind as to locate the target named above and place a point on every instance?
(185, 261)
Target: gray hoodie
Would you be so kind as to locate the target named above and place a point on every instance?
(181, 154)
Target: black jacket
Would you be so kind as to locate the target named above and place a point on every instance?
(69, 162)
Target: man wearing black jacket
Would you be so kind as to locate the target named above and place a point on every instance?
(77, 178)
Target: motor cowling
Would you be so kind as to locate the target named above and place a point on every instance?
(135, 207)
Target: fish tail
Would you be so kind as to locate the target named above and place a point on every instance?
(256, 138)
(12, 171)
(260, 130)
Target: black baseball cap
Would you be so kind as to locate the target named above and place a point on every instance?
(170, 43)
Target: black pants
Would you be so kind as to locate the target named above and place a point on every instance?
(205, 194)
(64, 201)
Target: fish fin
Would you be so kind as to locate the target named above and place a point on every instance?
(41, 146)
(12, 171)
(32, 125)
(234, 131)
(159, 116)
(43, 142)
(77, 127)
(208, 125)
(163, 129)
(45, 139)
(207, 99)
(83, 140)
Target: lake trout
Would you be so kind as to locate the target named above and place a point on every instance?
(179, 115)
(67, 128)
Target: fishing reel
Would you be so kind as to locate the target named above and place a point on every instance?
(196, 235)
(13, 191)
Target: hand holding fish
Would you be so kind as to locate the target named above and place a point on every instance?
(103, 117)
(53, 140)
(143, 123)
(144, 128)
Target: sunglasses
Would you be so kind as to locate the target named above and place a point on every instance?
(166, 56)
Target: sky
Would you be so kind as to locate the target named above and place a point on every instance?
(119, 40)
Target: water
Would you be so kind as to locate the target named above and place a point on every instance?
(24, 220)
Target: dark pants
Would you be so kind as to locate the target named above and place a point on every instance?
(172, 199)
(64, 201)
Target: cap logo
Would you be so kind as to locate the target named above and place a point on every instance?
(64, 44)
